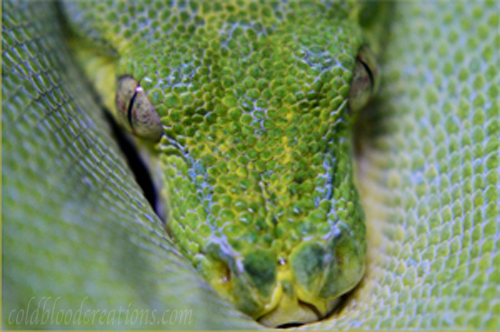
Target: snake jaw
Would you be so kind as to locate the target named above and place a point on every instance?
(316, 276)
(286, 306)
(301, 289)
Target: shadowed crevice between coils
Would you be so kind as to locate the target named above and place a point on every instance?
(137, 165)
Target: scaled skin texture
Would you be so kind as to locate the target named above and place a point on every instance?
(78, 234)
(256, 155)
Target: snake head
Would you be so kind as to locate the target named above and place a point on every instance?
(253, 105)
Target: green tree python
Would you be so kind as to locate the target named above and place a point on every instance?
(247, 113)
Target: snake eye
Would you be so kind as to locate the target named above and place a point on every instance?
(135, 111)
(364, 80)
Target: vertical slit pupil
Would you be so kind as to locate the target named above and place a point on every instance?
(130, 107)
(369, 72)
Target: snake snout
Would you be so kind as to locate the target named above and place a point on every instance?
(301, 289)
(318, 273)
